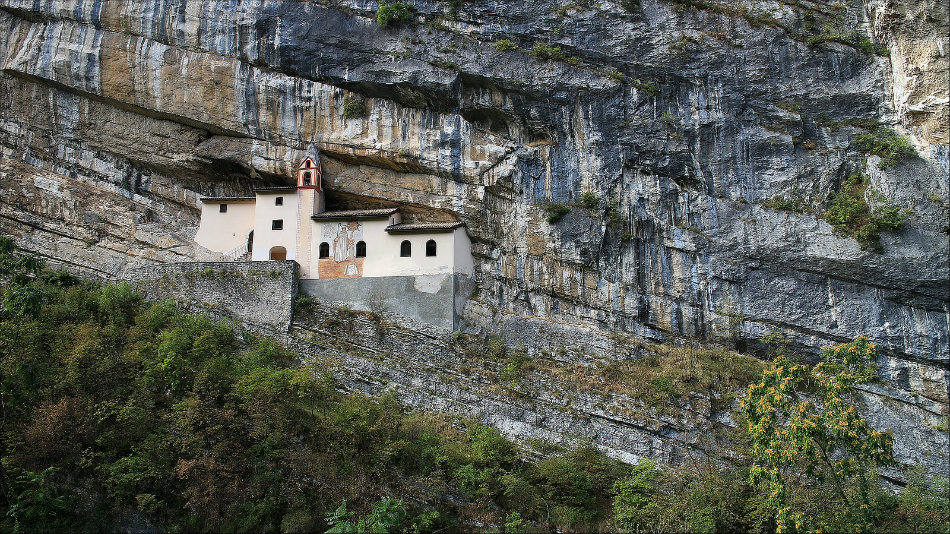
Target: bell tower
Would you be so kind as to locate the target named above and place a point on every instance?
(310, 202)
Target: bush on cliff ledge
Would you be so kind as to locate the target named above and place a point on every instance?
(395, 13)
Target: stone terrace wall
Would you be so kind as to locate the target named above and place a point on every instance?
(257, 294)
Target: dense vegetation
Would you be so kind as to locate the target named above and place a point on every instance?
(123, 415)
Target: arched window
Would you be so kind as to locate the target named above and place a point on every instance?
(361, 249)
(278, 253)
(405, 249)
(324, 250)
(306, 178)
(250, 241)
(309, 164)
(430, 247)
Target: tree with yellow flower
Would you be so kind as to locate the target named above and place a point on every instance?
(808, 438)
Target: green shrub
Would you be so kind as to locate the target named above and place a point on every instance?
(38, 505)
(615, 74)
(886, 143)
(924, 503)
(590, 200)
(506, 44)
(388, 515)
(796, 203)
(354, 107)
(444, 63)
(568, 489)
(649, 88)
(634, 509)
(543, 51)
(630, 6)
(303, 303)
(615, 217)
(489, 447)
(22, 300)
(7, 245)
(555, 211)
(119, 302)
(454, 7)
(514, 366)
(394, 13)
(851, 215)
(665, 387)
(515, 524)
(668, 118)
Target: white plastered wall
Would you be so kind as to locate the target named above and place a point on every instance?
(266, 212)
(418, 262)
(224, 232)
(308, 202)
(383, 248)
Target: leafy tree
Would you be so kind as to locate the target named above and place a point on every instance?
(804, 430)
(567, 491)
(923, 506)
(515, 524)
(22, 300)
(633, 504)
(388, 515)
(39, 506)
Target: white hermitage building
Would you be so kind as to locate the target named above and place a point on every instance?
(291, 223)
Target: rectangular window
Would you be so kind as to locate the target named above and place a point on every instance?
(279, 201)
(277, 224)
(222, 208)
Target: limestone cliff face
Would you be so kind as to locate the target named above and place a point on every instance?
(683, 120)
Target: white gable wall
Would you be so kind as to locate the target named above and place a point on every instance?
(463, 253)
(265, 212)
(224, 232)
(382, 248)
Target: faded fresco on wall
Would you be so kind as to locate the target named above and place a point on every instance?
(342, 238)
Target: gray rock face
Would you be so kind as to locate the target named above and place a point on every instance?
(682, 122)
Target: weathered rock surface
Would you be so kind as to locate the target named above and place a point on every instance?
(683, 121)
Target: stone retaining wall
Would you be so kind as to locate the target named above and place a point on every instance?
(257, 293)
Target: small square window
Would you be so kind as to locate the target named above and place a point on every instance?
(277, 224)
(222, 208)
(279, 201)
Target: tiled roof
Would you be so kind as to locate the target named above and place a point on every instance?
(275, 188)
(355, 214)
(227, 199)
(424, 227)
